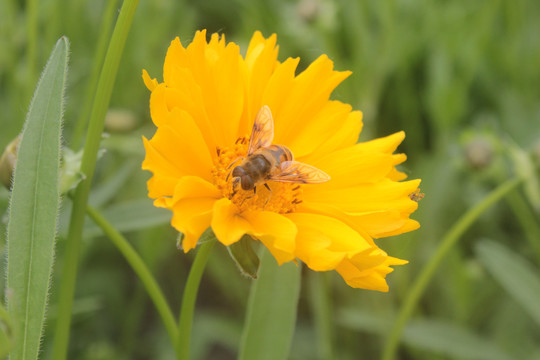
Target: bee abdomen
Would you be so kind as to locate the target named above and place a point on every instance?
(281, 153)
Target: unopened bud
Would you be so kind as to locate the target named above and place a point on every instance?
(479, 152)
(7, 162)
(70, 171)
(245, 258)
(308, 9)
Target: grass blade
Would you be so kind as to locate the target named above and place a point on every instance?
(34, 207)
(435, 336)
(271, 313)
(519, 278)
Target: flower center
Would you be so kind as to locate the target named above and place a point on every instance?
(281, 198)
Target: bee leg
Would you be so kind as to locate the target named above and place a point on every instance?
(249, 197)
(269, 196)
(230, 165)
(234, 185)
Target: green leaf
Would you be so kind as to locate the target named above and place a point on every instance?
(271, 312)
(442, 337)
(245, 257)
(34, 207)
(6, 333)
(517, 276)
(436, 336)
(131, 215)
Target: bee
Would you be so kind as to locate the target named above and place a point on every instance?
(416, 195)
(270, 162)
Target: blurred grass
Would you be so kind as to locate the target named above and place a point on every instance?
(455, 75)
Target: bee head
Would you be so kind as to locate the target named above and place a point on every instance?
(245, 180)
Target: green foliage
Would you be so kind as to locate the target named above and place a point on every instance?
(34, 207)
(447, 73)
(434, 336)
(271, 311)
(519, 278)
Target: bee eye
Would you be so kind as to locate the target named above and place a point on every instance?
(238, 171)
(246, 182)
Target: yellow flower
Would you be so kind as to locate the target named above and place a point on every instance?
(204, 113)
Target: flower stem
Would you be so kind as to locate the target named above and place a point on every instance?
(88, 164)
(32, 20)
(188, 300)
(101, 47)
(322, 313)
(449, 240)
(141, 270)
(527, 219)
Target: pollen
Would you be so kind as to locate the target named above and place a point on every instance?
(281, 198)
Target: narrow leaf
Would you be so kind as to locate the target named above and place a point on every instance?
(516, 275)
(34, 207)
(436, 336)
(442, 337)
(271, 312)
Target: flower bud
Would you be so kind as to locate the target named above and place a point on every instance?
(7, 162)
(308, 9)
(479, 152)
(70, 171)
(245, 258)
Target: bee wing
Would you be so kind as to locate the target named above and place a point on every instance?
(297, 172)
(263, 130)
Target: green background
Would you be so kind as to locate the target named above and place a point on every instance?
(461, 78)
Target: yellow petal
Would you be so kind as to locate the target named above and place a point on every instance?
(368, 270)
(192, 206)
(227, 223)
(323, 242)
(309, 92)
(382, 195)
(279, 87)
(386, 144)
(171, 153)
(275, 231)
(187, 95)
(159, 110)
(225, 97)
(176, 57)
(150, 83)
(408, 225)
(161, 185)
(310, 133)
(260, 63)
(349, 167)
(344, 135)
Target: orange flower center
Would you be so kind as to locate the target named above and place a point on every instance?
(282, 198)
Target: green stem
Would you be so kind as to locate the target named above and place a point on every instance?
(141, 270)
(31, 34)
(527, 219)
(449, 240)
(188, 300)
(322, 313)
(101, 47)
(88, 164)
